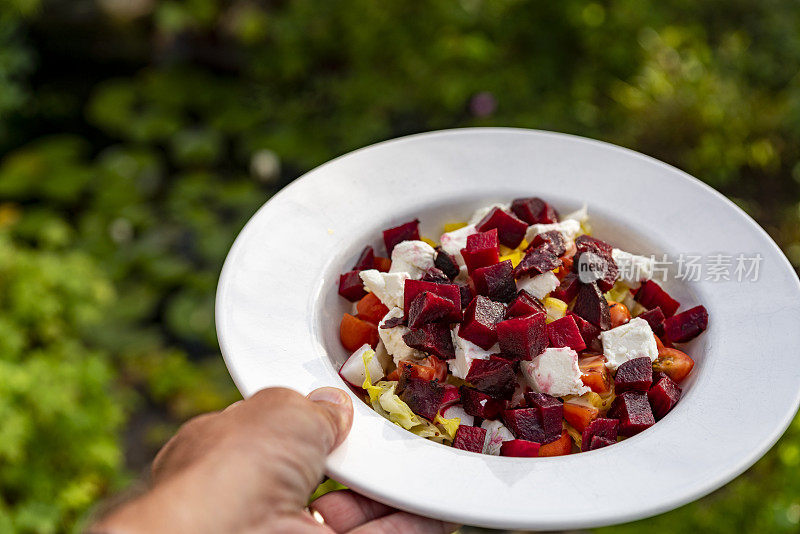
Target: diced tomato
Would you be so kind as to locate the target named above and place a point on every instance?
(559, 447)
(619, 313)
(673, 363)
(659, 343)
(430, 368)
(579, 415)
(565, 268)
(383, 264)
(594, 373)
(370, 308)
(354, 332)
(394, 375)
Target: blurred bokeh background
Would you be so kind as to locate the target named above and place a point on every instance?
(137, 137)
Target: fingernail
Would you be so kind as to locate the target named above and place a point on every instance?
(328, 394)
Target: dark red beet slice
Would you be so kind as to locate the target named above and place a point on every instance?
(496, 281)
(494, 377)
(534, 210)
(524, 304)
(598, 442)
(451, 292)
(480, 322)
(424, 397)
(466, 294)
(405, 232)
(519, 448)
(523, 338)
(366, 260)
(686, 325)
(663, 396)
(552, 241)
(650, 295)
(655, 318)
(482, 249)
(436, 276)
(479, 404)
(589, 332)
(592, 306)
(592, 266)
(587, 243)
(470, 438)
(634, 375)
(446, 263)
(524, 423)
(351, 287)
(567, 289)
(603, 427)
(510, 230)
(433, 338)
(550, 411)
(564, 332)
(429, 307)
(535, 262)
(451, 395)
(633, 411)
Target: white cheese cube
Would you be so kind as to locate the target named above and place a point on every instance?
(466, 352)
(633, 269)
(412, 257)
(388, 287)
(453, 242)
(569, 228)
(540, 285)
(626, 342)
(392, 339)
(457, 410)
(555, 372)
(496, 434)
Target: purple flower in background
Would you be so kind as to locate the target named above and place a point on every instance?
(482, 104)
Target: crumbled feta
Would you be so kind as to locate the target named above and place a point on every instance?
(466, 352)
(453, 242)
(581, 215)
(569, 228)
(412, 257)
(632, 268)
(631, 340)
(555, 372)
(480, 213)
(388, 287)
(496, 434)
(540, 285)
(392, 338)
(457, 410)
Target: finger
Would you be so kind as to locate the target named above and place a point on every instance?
(405, 523)
(182, 449)
(345, 510)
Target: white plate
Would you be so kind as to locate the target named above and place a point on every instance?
(278, 316)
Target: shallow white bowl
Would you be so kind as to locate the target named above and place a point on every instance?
(278, 316)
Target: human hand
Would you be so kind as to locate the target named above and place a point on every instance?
(251, 468)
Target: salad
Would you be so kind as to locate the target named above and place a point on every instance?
(517, 334)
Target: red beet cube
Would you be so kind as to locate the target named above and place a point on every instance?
(446, 263)
(593, 266)
(523, 338)
(589, 332)
(479, 404)
(496, 281)
(519, 448)
(567, 289)
(655, 318)
(451, 292)
(429, 307)
(480, 322)
(436, 276)
(405, 232)
(552, 241)
(587, 243)
(524, 423)
(351, 287)
(494, 377)
(524, 304)
(633, 411)
(634, 375)
(433, 338)
(686, 325)
(663, 396)
(551, 412)
(598, 442)
(605, 428)
(451, 395)
(366, 260)
(650, 295)
(534, 210)
(592, 306)
(564, 332)
(510, 230)
(424, 397)
(536, 261)
(466, 294)
(470, 438)
(482, 250)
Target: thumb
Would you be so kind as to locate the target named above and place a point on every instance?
(338, 408)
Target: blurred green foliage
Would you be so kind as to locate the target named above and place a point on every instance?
(138, 137)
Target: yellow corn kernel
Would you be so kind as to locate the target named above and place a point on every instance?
(556, 309)
(431, 242)
(452, 227)
(515, 256)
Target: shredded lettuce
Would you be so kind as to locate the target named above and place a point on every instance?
(449, 426)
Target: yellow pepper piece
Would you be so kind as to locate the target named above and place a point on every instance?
(431, 242)
(452, 227)
(515, 256)
(556, 309)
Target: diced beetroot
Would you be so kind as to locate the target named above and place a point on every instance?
(536, 261)
(603, 269)
(510, 230)
(351, 287)
(524, 304)
(598, 442)
(446, 263)
(663, 396)
(479, 404)
(634, 375)
(424, 397)
(405, 232)
(655, 318)
(433, 338)
(605, 428)
(523, 337)
(564, 332)
(519, 448)
(496, 281)
(650, 295)
(494, 377)
(480, 322)
(436, 276)
(589, 332)
(552, 241)
(366, 260)
(633, 411)
(466, 294)
(524, 423)
(550, 411)
(451, 292)
(534, 210)
(587, 243)
(567, 289)
(686, 325)
(451, 395)
(470, 438)
(592, 306)
(429, 307)
(482, 250)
